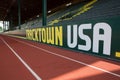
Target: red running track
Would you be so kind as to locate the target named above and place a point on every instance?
(26, 60)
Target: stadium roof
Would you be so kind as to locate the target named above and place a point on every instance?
(29, 8)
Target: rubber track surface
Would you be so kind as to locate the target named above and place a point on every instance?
(51, 63)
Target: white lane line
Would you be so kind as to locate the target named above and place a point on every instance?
(65, 57)
(23, 62)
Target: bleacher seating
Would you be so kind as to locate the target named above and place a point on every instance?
(100, 9)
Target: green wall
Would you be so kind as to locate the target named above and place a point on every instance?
(98, 37)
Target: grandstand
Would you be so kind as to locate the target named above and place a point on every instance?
(79, 12)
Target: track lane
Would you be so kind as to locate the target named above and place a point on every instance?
(51, 67)
(10, 67)
(22, 61)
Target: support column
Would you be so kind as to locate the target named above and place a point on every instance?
(44, 12)
(11, 22)
(19, 13)
(3, 25)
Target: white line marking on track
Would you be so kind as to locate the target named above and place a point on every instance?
(94, 67)
(23, 62)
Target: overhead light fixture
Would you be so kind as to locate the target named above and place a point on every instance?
(49, 11)
(38, 16)
(68, 4)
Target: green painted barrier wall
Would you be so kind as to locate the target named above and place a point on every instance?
(99, 37)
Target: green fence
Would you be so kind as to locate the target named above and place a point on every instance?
(97, 37)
